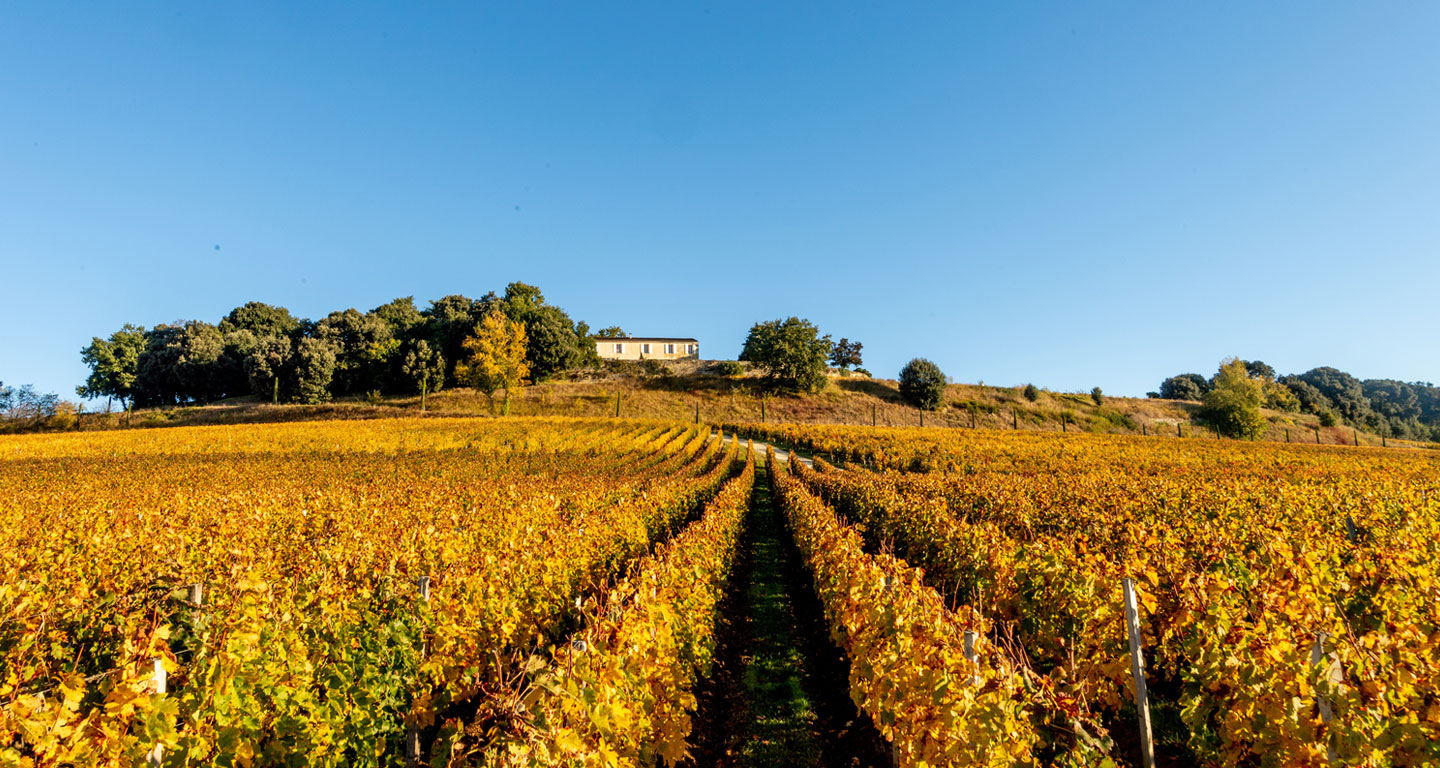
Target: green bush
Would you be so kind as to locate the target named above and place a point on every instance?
(1097, 396)
(1328, 419)
(922, 384)
(730, 368)
(1233, 403)
(1031, 393)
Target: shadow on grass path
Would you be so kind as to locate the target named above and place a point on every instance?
(780, 693)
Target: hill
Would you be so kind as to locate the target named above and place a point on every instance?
(675, 391)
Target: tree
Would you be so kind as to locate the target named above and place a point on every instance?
(363, 346)
(1233, 403)
(449, 320)
(791, 352)
(553, 345)
(1343, 391)
(114, 363)
(313, 370)
(1097, 396)
(267, 365)
(846, 353)
(1259, 370)
(495, 358)
(261, 319)
(426, 368)
(1186, 386)
(611, 332)
(922, 384)
(1031, 393)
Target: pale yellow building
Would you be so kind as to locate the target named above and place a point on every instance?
(647, 348)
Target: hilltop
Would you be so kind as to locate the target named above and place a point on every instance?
(674, 391)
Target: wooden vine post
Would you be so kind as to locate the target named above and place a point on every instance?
(157, 755)
(1014, 418)
(1317, 656)
(1137, 671)
(872, 414)
(412, 731)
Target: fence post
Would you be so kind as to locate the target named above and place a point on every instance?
(1137, 671)
(1143, 430)
(412, 731)
(762, 409)
(157, 755)
(617, 405)
(1014, 418)
(1064, 423)
(697, 413)
(922, 418)
(1357, 438)
(1317, 655)
(872, 414)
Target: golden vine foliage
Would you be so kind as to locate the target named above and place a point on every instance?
(621, 691)
(1244, 555)
(308, 539)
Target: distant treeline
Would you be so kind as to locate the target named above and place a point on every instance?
(266, 351)
(1383, 406)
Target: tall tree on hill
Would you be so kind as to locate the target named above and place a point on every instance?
(791, 352)
(1186, 386)
(114, 363)
(846, 353)
(495, 358)
(922, 384)
(552, 343)
(1233, 404)
(312, 371)
(363, 346)
(263, 320)
(611, 332)
(449, 321)
(267, 365)
(425, 367)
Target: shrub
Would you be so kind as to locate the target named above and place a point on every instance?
(1031, 393)
(1097, 396)
(922, 384)
(1233, 403)
(731, 368)
(1186, 386)
(863, 372)
(791, 352)
(1328, 419)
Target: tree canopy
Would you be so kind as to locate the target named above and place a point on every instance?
(791, 352)
(922, 384)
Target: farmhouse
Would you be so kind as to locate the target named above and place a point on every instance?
(647, 348)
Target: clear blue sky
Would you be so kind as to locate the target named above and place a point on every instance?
(1074, 194)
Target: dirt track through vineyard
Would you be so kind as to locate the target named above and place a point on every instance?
(780, 695)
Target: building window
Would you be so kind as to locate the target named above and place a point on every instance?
(619, 349)
(690, 349)
(669, 349)
(644, 349)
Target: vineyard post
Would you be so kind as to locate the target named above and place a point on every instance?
(1064, 423)
(1357, 438)
(972, 417)
(412, 731)
(922, 418)
(1137, 671)
(1287, 434)
(762, 409)
(79, 415)
(1383, 442)
(157, 755)
(970, 656)
(697, 412)
(1143, 431)
(872, 414)
(617, 405)
(1014, 418)
(1317, 655)
(1317, 435)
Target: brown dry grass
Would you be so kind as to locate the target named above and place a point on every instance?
(676, 394)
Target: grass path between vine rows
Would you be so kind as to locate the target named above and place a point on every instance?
(780, 693)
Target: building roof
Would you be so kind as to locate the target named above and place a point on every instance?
(642, 338)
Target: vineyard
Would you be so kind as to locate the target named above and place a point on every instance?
(528, 592)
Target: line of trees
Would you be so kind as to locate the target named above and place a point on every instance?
(266, 351)
(1384, 406)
